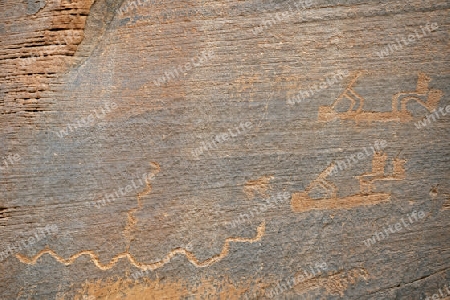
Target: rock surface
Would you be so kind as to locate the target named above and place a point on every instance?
(224, 149)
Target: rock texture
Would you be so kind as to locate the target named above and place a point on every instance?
(224, 149)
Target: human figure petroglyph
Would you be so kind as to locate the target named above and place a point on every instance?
(302, 202)
(399, 111)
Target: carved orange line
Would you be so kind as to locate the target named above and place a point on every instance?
(153, 266)
(131, 219)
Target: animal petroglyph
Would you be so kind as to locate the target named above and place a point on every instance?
(129, 228)
(301, 202)
(399, 111)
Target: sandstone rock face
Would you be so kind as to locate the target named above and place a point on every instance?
(224, 149)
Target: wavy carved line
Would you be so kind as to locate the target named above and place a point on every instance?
(131, 219)
(128, 229)
(153, 266)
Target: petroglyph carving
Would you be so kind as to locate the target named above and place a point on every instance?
(399, 111)
(152, 266)
(446, 204)
(129, 228)
(257, 187)
(302, 202)
(131, 219)
(367, 180)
